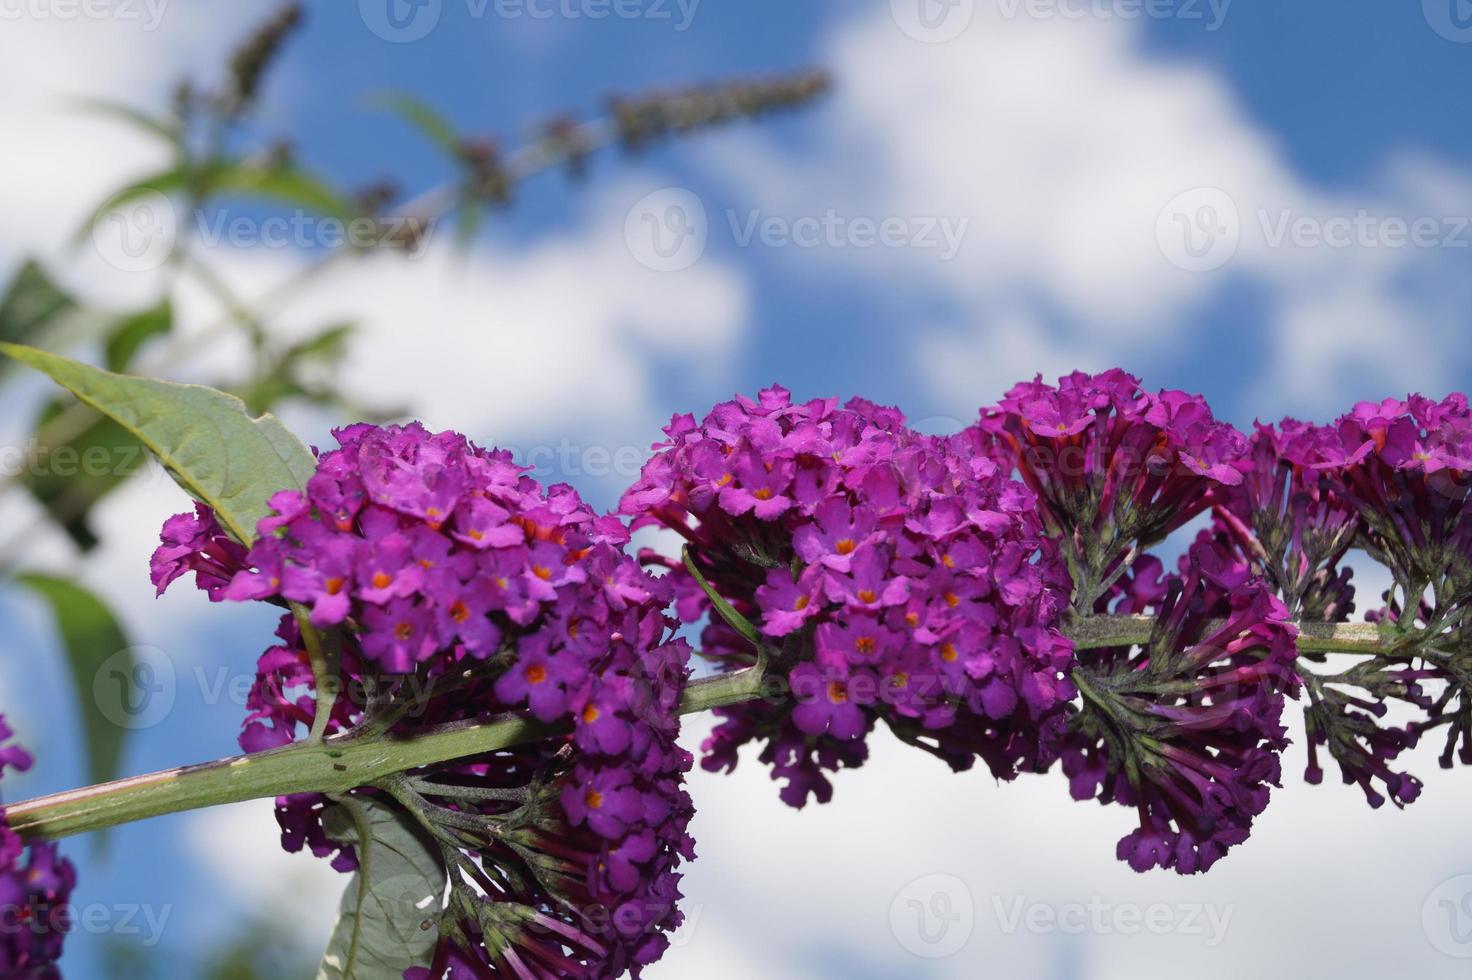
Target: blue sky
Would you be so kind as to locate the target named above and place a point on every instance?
(1067, 145)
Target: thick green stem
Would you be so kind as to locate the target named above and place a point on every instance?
(339, 764)
(1093, 632)
(335, 765)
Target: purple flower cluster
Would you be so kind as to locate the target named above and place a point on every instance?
(35, 886)
(455, 587)
(1187, 728)
(894, 577)
(1393, 478)
(1293, 523)
(1114, 468)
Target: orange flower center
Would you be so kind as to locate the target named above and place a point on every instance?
(765, 493)
(867, 595)
(404, 631)
(590, 714)
(845, 546)
(459, 612)
(542, 572)
(536, 673)
(837, 693)
(382, 580)
(864, 645)
(948, 652)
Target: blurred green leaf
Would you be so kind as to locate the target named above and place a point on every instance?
(205, 438)
(77, 459)
(166, 182)
(285, 185)
(422, 116)
(35, 310)
(135, 330)
(168, 129)
(69, 476)
(397, 889)
(30, 301)
(92, 637)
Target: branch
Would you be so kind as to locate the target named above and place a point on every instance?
(343, 763)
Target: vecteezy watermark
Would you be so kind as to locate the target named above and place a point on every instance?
(136, 233)
(1364, 229)
(402, 21)
(139, 233)
(1212, 13)
(305, 229)
(568, 460)
(668, 230)
(1098, 917)
(148, 14)
(933, 21)
(66, 461)
(1200, 230)
(121, 919)
(1452, 19)
(136, 688)
(833, 229)
(933, 916)
(1446, 917)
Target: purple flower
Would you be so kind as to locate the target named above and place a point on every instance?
(35, 890)
(459, 589)
(1114, 468)
(825, 705)
(876, 545)
(1187, 729)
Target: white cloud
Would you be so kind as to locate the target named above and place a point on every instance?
(1079, 162)
(296, 891)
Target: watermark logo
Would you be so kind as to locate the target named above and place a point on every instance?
(401, 21)
(1452, 19)
(1446, 917)
(1211, 13)
(135, 688)
(666, 231)
(933, 917)
(148, 14)
(1199, 230)
(834, 230)
(933, 21)
(1103, 918)
(136, 233)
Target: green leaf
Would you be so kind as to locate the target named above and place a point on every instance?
(203, 437)
(167, 129)
(381, 924)
(165, 182)
(35, 310)
(70, 473)
(135, 330)
(423, 117)
(286, 185)
(81, 456)
(92, 638)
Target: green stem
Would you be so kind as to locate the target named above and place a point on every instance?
(342, 763)
(1093, 632)
(335, 765)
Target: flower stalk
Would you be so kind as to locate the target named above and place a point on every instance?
(336, 765)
